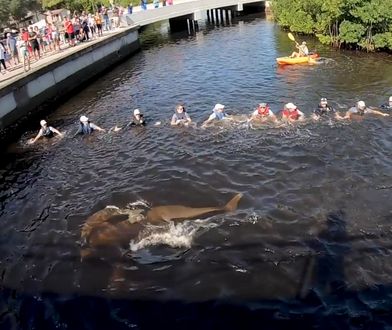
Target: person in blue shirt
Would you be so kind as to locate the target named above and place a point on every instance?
(360, 109)
(218, 113)
(86, 127)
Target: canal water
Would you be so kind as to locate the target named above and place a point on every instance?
(311, 240)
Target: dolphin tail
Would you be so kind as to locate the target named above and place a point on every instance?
(233, 203)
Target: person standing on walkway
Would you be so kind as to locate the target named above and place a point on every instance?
(2, 57)
(130, 9)
(106, 20)
(116, 17)
(98, 22)
(34, 43)
(69, 31)
(12, 49)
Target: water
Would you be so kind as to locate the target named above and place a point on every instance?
(311, 239)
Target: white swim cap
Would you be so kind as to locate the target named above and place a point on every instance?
(291, 106)
(136, 112)
(390, 99)
(361, 104)
(83, 119)
(43, 122)
(219, 106)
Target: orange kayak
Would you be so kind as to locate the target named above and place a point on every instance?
(297, 60)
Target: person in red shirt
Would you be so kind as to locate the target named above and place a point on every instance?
(69, 31)
(25, 37)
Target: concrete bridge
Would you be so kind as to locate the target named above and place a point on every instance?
(185, 11)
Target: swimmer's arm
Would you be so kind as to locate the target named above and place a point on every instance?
(97, 127)
(210, 118)
(272, 116)
(301, 115)
(376, 112)
(32, 141)
(253, 115)
(56, 131)
(188, 118)
(346, 116)
(174, 121)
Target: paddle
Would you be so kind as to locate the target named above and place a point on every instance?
(291, 37)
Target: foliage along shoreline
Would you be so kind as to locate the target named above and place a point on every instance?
(351, 24)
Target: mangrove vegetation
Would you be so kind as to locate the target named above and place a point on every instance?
(355, 24)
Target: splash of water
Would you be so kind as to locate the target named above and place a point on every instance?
(178, 235)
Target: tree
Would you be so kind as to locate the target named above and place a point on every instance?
(352, 23)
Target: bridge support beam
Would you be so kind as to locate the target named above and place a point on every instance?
(180, 23)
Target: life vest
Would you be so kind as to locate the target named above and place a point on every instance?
(47, 132)
(219, 115)
(264, 112)
(291, 114)
(86, 129)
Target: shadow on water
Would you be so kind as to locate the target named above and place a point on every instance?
(324, 300)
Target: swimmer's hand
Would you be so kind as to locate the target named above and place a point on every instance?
(30, 141)
(385, 115)
(116, 128)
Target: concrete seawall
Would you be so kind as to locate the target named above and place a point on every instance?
(58, 78)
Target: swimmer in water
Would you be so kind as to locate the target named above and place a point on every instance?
(86, 127)
(136, 120)
(387, 106)
(218, 113)
(180, 117)
(360, 109)
(263, 113)
(291, 113)
(45, 131)
(323, 110)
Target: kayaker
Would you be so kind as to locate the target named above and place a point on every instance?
(263, 113)
(218, 113)
(323, 110)
(387, 106)
(302, 50)
(360, 109)
(45, 131)
(86, 127)
(180, 116)
(291, 113)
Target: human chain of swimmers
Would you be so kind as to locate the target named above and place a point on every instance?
(263, 113)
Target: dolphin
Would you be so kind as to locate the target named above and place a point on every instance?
(101, 228)
(179, 213)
